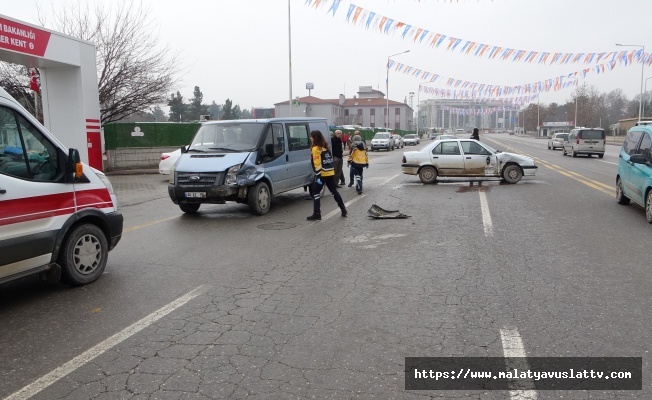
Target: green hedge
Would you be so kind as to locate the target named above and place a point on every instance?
(155, 134)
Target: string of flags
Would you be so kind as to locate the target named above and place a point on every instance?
(491, 90)
(372, 21)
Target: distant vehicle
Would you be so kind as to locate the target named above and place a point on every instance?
(398, 141)
(634, 178)
(411, 140)
(167, 161)
(557, 140)
(587, 141)
(434, 135)
(382, 140)
(465, 158)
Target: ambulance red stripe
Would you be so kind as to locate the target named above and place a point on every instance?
(39, 207)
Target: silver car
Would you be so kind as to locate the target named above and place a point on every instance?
(398, 141)
(382, 140)
(557, 140)
(411, 139)
(466, 158)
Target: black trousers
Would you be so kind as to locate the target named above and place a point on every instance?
(329, 181)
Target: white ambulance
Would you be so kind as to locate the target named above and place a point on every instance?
(58, 216)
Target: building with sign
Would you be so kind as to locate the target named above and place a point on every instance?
(71, 107)
(368, 108)
(451, 114)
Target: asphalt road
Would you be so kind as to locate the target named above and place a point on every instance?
(224, 304)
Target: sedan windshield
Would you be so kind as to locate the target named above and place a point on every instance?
(230, 137)
(382, 136)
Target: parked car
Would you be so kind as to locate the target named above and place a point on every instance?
(398, 141)
(411, 140)
(557, 140)
(465, 158)
(167, 161)
(634, 178)
(434, 135)
(382, 140)
(587, 141)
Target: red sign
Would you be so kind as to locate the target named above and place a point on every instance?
(23, 38)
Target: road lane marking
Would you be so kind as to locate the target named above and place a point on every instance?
(599, 186)
(513, 347)
(486, 215)
(608, 162)
(337, 210)
(387, 180)
(92, 353)
(145, 225)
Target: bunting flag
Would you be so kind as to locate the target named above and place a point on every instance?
(371, 20)
(551, 84)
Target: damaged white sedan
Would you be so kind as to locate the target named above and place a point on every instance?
(466, 158)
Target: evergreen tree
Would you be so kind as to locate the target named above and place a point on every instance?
(196, 108)
(158, 115)
(228, 112)
(177, 108)
(215, 110)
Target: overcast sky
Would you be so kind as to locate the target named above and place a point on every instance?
(238, 49)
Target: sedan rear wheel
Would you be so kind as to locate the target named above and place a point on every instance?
(512, 173)
(620, 195)
(648, 206)
(428, 174)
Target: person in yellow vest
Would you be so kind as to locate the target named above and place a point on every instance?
(322, 166)
(357, 161)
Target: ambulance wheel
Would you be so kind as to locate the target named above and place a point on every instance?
(83, 255)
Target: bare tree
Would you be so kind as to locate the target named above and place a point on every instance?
(15, 80)
(134, 72)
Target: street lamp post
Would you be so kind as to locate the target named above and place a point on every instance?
(387, 85)
(640, 105)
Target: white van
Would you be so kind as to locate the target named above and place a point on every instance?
(245, 161)
(58, 216)
(587, 141)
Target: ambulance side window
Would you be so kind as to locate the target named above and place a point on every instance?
(24, 152)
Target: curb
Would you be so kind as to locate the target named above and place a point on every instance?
(131, 172)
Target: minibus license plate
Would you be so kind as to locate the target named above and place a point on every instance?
(196, 194)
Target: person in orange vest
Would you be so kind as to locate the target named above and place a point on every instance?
(324, 170)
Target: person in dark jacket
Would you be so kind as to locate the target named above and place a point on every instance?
(336, 146)
(476, 134)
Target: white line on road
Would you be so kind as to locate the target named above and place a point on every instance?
(387, 180)
(486, 215)
(90, 354)
(608, 162)
(513, 347)
(347, 204)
